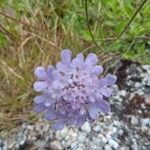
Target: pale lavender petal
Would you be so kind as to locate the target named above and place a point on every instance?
(56, 74)
(92, 111)
(39, 86)
(102, 83)
(57, 84)
(39, 99)
(39, 108)
(50, 114)
(80, 120)
(59, 125)
(106, 92)
(61, 67)
(91, 99)
(75, 63)
(92, 58)
(66, 56)
(111, 79)
(103, 106)
(80, 57)
(97, 70)
(50, 69)
(40, 72)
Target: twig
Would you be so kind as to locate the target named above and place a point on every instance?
(132, 18)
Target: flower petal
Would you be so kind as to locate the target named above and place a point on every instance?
(61, 67)
(80, 120)
(39, 99)
(97, 70)
(92, 111)
(106, 92)
(50, 69)
(56, 74)
(111, 79)
(39, 108)
(103, 106)
(91, 58)
(58, 125)
(102, 83)
(50, 114)
(66, 56)
(80, 57)
(40, 72)
(39, 86)
(75, 63)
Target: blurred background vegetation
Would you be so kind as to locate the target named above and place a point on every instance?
(33, 32)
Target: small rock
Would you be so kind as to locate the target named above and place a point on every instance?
(81, 146)
(72, 135)
(107, 147)
(61, 134)
(113, 144)
(147, 99)
(104, 139)
(124, 148)
(82, 137)
(56, 145)
(145, 122)
(122, 93)
(97, 128)
(114, 130)
(134, 120)
(146, 67)
(74, 146)
(86, 127)
(148, 82)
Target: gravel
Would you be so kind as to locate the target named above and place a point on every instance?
(127, 127)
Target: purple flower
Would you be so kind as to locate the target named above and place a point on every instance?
(72, 93)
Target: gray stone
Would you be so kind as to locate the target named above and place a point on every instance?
(56, 145)
(122, 93)
(134, 120)
(86, 127)
(97, 128)
(107, 147)
(82, 137)
(145, 121)
(113, 143)
(74, 146)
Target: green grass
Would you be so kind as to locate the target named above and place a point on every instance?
(38, 30)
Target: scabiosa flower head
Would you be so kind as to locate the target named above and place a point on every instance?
(71, 92)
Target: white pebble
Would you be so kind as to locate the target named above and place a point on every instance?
(74, 146)
(56, 145)
(122, 93)
(97, 128)
(145, 122)
(146, 67)
(82, 137)
(86, 127)
(107, 147)
(113, 144)
(60, 134)
(134, 120)
(104, 139)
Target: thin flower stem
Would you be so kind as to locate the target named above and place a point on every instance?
(132, 18)
(88, 25)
